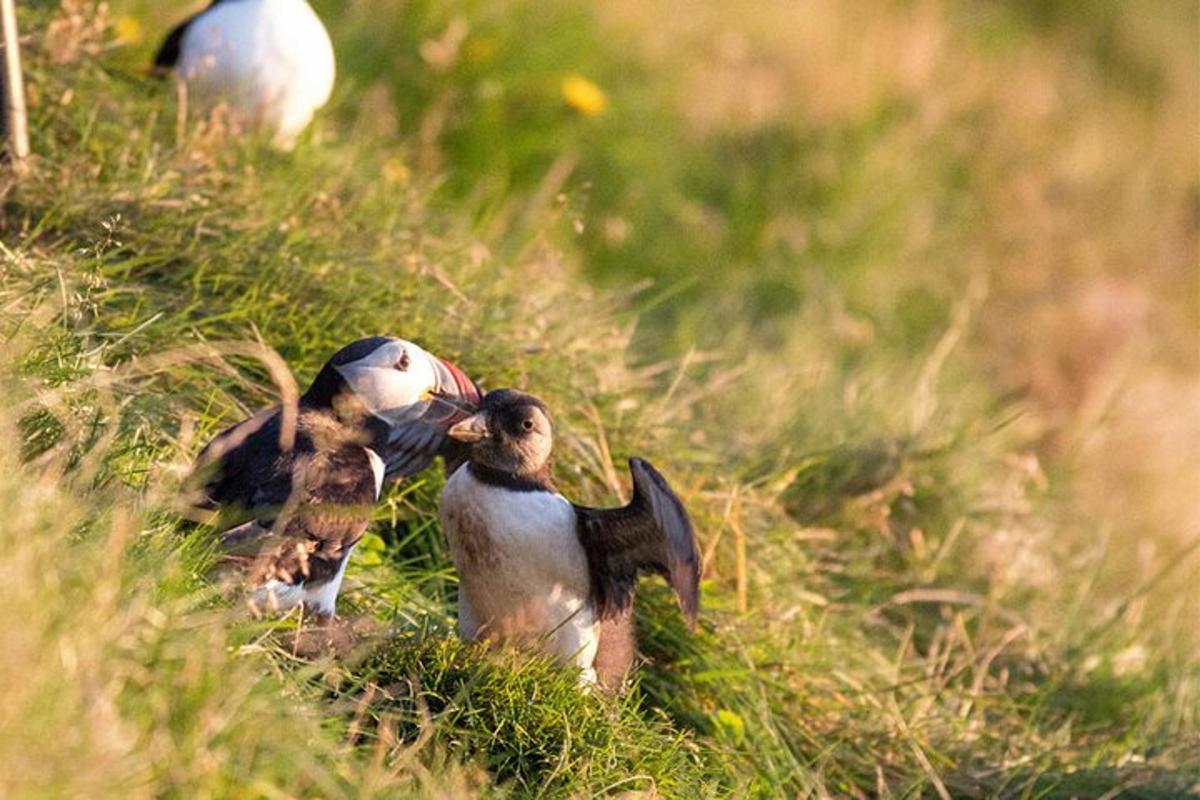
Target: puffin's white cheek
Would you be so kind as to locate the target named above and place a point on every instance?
(423, 374)
(375, 388)
(403, 397)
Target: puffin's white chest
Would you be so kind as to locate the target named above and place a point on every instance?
(522, 571)
(270, 59)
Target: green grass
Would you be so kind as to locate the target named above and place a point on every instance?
(905, 296)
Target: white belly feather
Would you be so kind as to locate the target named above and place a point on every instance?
(522, 572)
(272, 60)
(276, 596)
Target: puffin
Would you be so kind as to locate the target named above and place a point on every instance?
(547, 574)
(292, 500)
(270, 60)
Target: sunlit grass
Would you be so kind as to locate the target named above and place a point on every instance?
(917, 334)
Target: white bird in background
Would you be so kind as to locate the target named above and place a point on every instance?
(270, 60)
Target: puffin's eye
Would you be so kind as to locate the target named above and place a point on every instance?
(527, 424)
(402, 364)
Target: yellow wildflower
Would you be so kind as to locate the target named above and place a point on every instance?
(584, 96)
(129, 30)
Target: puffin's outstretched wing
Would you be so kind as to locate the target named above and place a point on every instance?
(652, 533)
(168, 53)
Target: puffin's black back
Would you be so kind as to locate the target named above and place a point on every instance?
(243, 468)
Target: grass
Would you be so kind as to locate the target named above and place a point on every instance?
(903, 298)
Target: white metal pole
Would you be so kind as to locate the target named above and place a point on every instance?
(16, 124)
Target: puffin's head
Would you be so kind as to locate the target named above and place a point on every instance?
(393, 381)
(511, 433)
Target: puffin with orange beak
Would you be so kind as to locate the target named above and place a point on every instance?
(292, 504)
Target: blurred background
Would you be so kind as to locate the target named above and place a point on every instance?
(914, 283)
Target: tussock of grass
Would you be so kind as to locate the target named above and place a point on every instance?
(962, 572)
(526, 720)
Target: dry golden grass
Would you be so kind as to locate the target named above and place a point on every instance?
(902, 295)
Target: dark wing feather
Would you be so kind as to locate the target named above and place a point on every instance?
(328, 517)
(168, 54)
(652, 533)
(294, 514)
(241, 471)
(413, 445)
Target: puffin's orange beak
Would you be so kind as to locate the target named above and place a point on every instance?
(455, 395)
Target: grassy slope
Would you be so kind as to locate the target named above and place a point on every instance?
(850, 268)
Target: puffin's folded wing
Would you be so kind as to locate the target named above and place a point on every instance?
(412, 447)
(240, 470)
(652, 533)
(305, 538)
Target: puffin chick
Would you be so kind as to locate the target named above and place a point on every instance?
(293, 500)
(270, 60)
(547, 574)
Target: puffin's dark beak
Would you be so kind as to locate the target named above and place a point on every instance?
(472, 429)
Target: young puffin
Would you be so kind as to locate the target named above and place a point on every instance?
(292, 510)
(271, 60)
(539, 570)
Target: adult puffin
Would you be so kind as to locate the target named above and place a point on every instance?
(541, 571)
(294, 500)
(271, 60)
